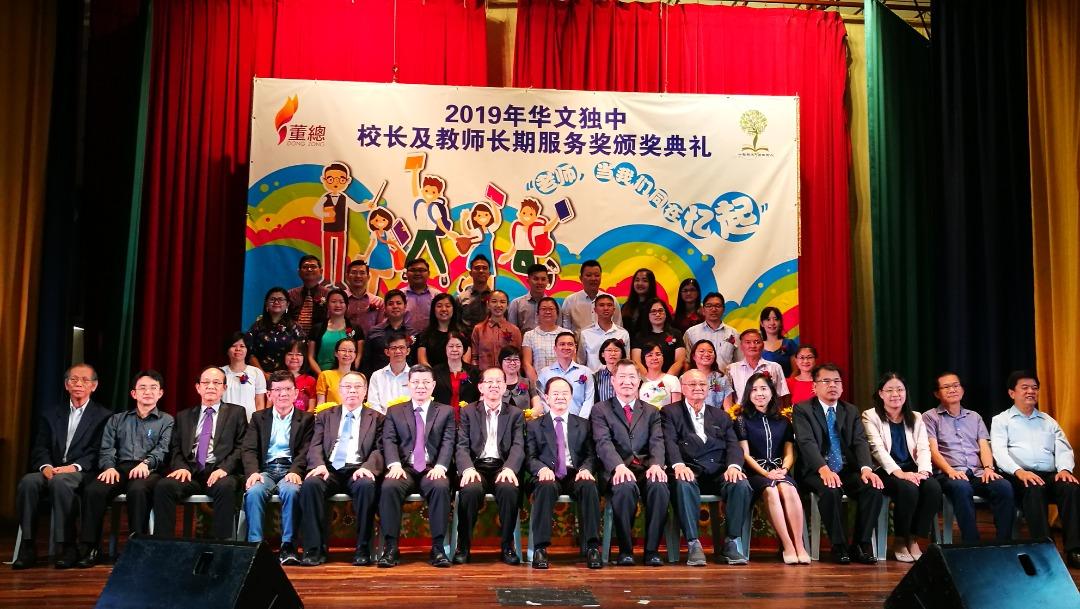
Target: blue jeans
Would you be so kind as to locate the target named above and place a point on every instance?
(998, 493)
(256, 497)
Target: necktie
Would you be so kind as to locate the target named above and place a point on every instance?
(307, 307)
(560, 448)
(419, 461)
(342, 450)
(834, 460)
(629, 414)
(73, 424)
(204, 437)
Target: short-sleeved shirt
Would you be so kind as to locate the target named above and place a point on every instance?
(724, 340)
(489, 338)
(522, 312)
(591, 338)
(1033, 442)
(581, 383)
(242, 387)
(327, 385)
(659, 392)
(957, 437)
(542, 344)
(577, 311)
(740, 372)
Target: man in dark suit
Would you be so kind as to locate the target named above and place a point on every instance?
(834, 459)
(418, 445)
(490, 454)
(630, 444)
(204, 458)
(63, 457)
(705, 455)
(345, 453)
(275, 457)
(562, 460)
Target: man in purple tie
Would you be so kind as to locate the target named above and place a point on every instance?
(562, 460)
(204, 458)
(418, 446)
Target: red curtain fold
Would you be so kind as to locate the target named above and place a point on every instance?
(692, 48)
(205, 54)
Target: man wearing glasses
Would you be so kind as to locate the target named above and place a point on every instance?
(345, 453)
(307, 301)
(204, 458)
(490, 456)
(1032, 450)
(834, 459)
(391, 383)
(418, 446)
(65, 451)
(722, 336)
(275, 456)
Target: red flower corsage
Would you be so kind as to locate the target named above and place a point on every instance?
(731, 339)
(670, 340)
(766, 374)
(349, 332)
(506, 336)
(244, 378)
(412, 339)
(462, 377)
(523, 386)
(582, 379)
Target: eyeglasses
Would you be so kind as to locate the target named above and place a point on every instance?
(277, 299)
(397, 348)
(345, 351)
(212, 383)
(351, 386)
(712, 305)
(829, 381)
(310, 266)
(512, 360)
(281, 390)
(894, 390)
(77, 380)
(335, 179)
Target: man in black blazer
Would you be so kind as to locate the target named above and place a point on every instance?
(705, 455)
(630, 445)
(204, 458)
(63, 458)
(490, 455)
(275, 457)
(418, 445)
(834, 458)
(345, 453)
(572, 472)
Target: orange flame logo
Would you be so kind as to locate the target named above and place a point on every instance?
(284, 115)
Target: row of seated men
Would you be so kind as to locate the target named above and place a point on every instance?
(625, 450)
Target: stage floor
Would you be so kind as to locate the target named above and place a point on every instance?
(765, 582)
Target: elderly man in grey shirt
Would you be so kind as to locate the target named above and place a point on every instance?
(133, 448)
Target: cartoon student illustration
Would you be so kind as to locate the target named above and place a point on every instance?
(333, 210)
(529, 237)
(432, 213)
(384, 255)
(479, 235)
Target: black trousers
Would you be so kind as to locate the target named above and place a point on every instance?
(97, 496)
(585, 493)
(63, 493)
(471, 499)
(624, 500)
(916, 505)
(170, 492)
(1033, 501)
(392, 496)
(867, 501)
(313, 494)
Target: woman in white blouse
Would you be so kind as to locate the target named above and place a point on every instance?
(901, 450)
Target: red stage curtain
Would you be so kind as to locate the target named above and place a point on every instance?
(691, 48)
(205, 54)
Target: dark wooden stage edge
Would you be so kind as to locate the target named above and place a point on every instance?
(765, 582)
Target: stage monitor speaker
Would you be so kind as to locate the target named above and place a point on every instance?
(1013, 575)
(152, 573)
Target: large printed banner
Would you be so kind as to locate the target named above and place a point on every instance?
(684, 185)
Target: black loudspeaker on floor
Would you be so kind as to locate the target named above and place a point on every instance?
(153, 573)
(1015, 575)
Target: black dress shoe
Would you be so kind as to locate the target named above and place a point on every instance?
(89, 557)
(840, 555)
(389, 557)
(313, 558)
(863, 555)
(439, 559)
(69, 556)
(652, 559)
(287, 555)
(593, 558)
(1073, 559)
(461, 556)
(625, 560)
(540, 559)
(27, 556)
(362, 557)
(510, 557)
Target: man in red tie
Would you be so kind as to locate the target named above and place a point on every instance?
(204, 458)
(418, 447)
(630, 444)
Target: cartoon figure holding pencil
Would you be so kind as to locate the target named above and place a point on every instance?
(432, 213)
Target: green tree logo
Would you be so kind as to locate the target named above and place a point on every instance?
(753, 122)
